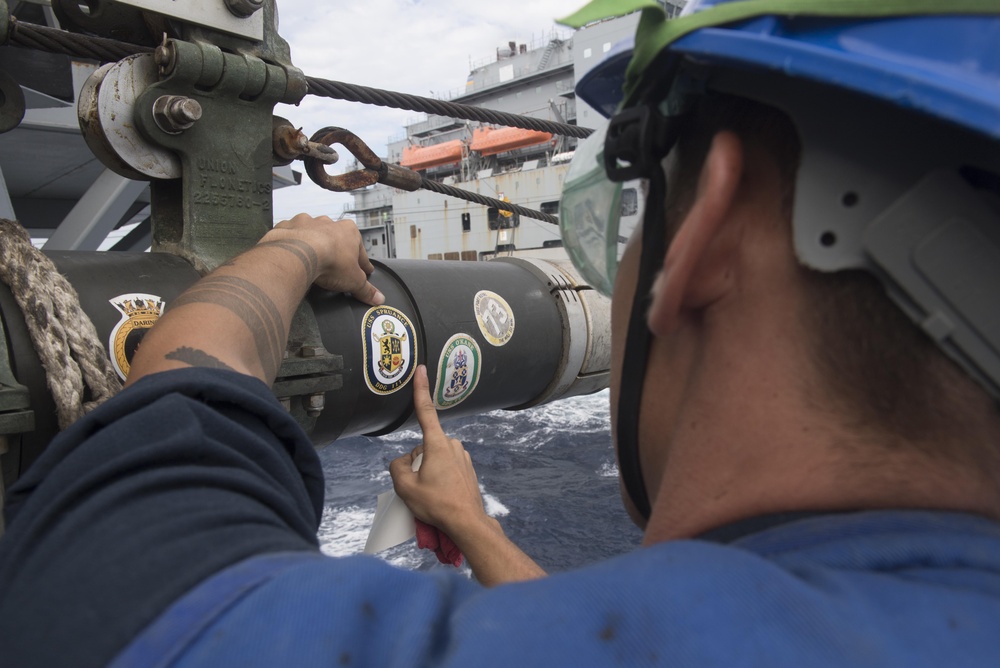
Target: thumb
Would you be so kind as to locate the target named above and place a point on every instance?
(369, 294)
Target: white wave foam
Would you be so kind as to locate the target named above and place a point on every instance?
(588, 413)
(403, 437)
(608, 470)
(343, 531)
(494, 508)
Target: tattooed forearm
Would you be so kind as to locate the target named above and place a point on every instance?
(195, 357)
(300, 249)
(252, 306)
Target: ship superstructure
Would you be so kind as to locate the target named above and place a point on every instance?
(523, 166)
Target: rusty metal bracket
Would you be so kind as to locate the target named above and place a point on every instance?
(375, 171)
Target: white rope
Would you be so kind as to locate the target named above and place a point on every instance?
(76, 365)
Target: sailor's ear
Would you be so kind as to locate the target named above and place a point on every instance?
(697, 268)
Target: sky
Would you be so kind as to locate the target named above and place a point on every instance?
(422, 47)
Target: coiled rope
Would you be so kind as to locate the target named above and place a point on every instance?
(77, 369)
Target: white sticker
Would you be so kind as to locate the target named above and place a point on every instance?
(495, 317)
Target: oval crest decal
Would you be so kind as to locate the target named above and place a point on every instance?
(390, 349)
(458, 370)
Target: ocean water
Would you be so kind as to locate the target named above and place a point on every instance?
(547, 474)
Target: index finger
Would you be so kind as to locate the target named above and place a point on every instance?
(423, 405)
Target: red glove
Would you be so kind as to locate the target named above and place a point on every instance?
(431, 538)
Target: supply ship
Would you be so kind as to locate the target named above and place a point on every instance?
(525, 167)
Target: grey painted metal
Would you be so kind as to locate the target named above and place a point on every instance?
(96, 214)
(213, 14)
(138, 240)
(6, 207)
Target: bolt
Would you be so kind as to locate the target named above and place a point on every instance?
(175, 113)
(315, 404)
(312, 351)
(244, 8)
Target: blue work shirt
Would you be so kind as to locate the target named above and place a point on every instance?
(196, 537)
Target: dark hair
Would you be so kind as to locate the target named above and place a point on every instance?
(875, 366)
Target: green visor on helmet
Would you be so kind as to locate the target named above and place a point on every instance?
(590, 214)
(596, 213)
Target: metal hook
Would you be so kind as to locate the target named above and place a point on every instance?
(375, 171)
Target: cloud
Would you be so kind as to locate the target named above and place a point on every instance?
(410, 46)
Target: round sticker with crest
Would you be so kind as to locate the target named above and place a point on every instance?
(458, 370)
(390, 349)
(495, 317)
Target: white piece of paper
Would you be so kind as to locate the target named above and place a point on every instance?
(393, 523)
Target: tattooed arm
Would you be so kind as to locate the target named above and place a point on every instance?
(238, 316)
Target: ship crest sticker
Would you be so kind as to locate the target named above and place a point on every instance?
(458, 370)
(390, 349)
(495, 317)
(139, 311)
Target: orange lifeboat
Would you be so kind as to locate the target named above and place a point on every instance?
(425, 157)
(490, 141)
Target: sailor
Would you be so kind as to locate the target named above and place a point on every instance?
(806, 375)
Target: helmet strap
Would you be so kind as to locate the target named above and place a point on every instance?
(637, 343)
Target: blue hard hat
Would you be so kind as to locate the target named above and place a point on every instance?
(601, 86)
(944, 64)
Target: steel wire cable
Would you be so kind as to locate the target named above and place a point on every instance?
(44, 38)
(384, 98)
(451, 191)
